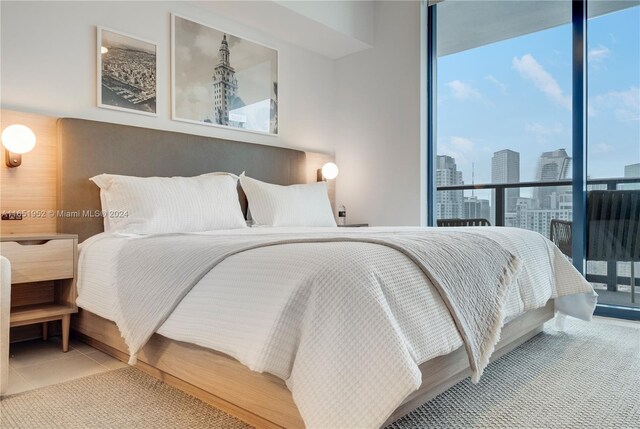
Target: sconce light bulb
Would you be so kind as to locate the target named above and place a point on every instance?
(330, 171)
(18, 138)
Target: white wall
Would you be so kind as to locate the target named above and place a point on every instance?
(352, 17)
(378, 121)
(329, 28)
(365, 107)
(48, 66)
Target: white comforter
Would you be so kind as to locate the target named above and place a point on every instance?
(236, 309)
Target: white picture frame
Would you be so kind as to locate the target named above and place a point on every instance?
(252, 104)
(133, 85)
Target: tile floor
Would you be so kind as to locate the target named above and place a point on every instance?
(39, 363)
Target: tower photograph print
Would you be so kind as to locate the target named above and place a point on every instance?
(220, 79)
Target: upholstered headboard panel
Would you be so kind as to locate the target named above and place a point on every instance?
(88, 148)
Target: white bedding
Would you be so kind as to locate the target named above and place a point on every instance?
(267, 275)
(235, 307)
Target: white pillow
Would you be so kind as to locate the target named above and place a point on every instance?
(157, 205)
(295, 205)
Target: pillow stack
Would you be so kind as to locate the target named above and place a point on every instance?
(159, 205)
(294, 205)
(163, 205)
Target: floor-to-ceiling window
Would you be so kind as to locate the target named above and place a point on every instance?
(504, 111)
(613, 137)
(504, 130)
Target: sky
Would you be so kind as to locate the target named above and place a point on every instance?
(516, 94)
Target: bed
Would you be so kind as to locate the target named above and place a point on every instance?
(278, 334)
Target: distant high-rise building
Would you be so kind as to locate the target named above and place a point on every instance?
(449, 204)
(505, 168)
(539, 220)
(476, 208)
(631, 171)
(552, 166)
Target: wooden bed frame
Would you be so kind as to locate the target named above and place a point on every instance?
(87, 148)
(264, 400)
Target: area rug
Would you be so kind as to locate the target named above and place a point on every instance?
(120, 399)
(585, 377)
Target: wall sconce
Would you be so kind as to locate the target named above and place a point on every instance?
(17, 139)
(329, 171)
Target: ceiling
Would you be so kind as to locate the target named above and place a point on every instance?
(467, 24)
(335, 29)
(331, 28)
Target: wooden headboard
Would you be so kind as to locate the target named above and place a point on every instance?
(87, 148)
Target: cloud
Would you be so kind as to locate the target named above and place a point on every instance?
(625, 104)
(544, 133)
(544, 130)
(601, 148)
(183, 54)
(463, 91)
(194, 102)
(462, 143)
(460, 148)
(599, 54)
(502, 86)
(624, 115)
(206, 44)
(530, 69)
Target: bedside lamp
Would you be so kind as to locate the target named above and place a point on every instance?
(17, 139)
(329, 171)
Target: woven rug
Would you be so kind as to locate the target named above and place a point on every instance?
(120, 399)
(586, 377)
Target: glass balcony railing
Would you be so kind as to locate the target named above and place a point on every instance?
(533, 205)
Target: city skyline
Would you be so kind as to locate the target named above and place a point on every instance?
(533, 211)
(127, 73)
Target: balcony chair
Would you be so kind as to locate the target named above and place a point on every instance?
(560, 234)
(613, 229)
(463, 222)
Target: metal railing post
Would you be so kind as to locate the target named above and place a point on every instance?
(499, 209)
(579, 122)
(432, 62)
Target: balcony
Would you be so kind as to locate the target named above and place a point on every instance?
(611, 279)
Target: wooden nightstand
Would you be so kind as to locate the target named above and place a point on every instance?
(43, 279)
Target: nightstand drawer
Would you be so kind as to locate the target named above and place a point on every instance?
(37, 261)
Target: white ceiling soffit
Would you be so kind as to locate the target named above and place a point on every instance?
(468, 24)
(333, 29)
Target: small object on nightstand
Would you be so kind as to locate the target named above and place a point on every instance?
(342, 216)
(43, 279)
(354, 225)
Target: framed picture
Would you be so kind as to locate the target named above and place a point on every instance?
(223, 80)
(127, 72)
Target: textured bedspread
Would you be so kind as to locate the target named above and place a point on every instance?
(348, 337)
